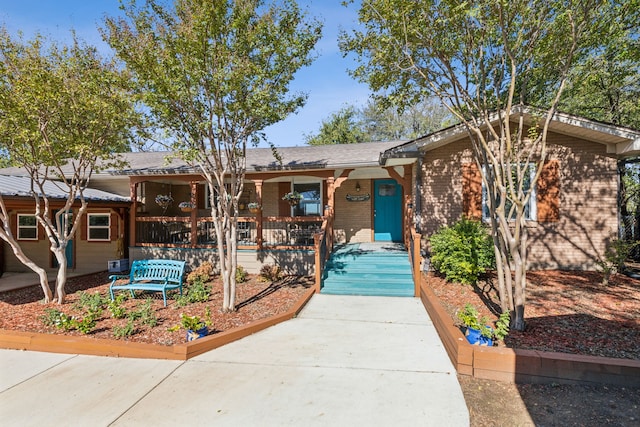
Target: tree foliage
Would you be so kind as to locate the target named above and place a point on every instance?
(381, 121)
(214, 74)
(485, 59)
(341, 127)
(65, 112)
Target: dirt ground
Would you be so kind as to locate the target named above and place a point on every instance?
(497, 404)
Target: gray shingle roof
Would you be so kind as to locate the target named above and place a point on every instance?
(21, 186)
(340, 156)
(262, 159)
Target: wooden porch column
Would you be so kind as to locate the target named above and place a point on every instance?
(331, 196)
(194, 213)
(259, 240)
(133, 194)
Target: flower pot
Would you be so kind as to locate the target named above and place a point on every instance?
(475, 337)
(194, 335)
(186, 209)
(254, 210)
(294, 202)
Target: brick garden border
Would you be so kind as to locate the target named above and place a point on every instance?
(524, 366)
(117, 348)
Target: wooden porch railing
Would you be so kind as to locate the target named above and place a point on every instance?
(180, 232)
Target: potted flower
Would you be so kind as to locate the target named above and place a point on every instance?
(164, 200)
(186, 206)
(293, 197)
(253, 207)
(477, 330)
(195, 327)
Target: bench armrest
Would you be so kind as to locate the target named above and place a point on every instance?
(118, 277)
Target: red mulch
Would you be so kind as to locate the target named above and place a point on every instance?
(22, 309)
(565, 311)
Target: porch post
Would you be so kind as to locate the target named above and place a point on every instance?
(258, 185)
(133, 194)
(331, 193)
(194, 213)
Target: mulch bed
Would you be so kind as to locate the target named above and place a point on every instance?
(566, 312)
(23, 309)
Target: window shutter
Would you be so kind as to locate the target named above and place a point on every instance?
(83, 227)
(548, 192)
(113, 226)
(471, 191)
(284, 208)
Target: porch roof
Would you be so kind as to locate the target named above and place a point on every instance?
(339, 156)
(20, 186)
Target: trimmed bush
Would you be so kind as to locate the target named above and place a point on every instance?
(463, 251)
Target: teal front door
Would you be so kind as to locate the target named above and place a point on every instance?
(387, 213)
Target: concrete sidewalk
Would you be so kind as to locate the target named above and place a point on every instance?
(346, 360)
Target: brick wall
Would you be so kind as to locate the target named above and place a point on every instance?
(353, 221)
(588, 201)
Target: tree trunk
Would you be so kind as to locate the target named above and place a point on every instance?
(41, 272)
(61, 277)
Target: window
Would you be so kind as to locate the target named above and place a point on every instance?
(530, 210)
(99, 226)
(311, 203)
(27, 227)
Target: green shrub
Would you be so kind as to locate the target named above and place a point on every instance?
(126, 330)
(115, 307)
(615, 256)
(197, 291)
(271, 272)
(241, 274)
(462, 251)
(63, 321)
(202, 273)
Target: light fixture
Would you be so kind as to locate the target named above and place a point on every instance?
(358, 186)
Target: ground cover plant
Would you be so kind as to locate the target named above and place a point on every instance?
(90, 312)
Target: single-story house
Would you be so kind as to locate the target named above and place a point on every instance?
(367, 192)
(100, 236)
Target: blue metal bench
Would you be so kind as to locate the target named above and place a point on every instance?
(157, 275)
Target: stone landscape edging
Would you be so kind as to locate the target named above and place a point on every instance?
(524, 366)
(19, 340)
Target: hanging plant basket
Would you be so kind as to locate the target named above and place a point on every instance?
(293, 198)
(186, 206)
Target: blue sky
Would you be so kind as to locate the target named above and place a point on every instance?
(326, 81)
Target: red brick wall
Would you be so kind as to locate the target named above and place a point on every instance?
(587, 207)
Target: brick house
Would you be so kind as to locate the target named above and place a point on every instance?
(574, 215)
(364, 193)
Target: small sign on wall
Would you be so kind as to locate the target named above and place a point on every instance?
(358, 197)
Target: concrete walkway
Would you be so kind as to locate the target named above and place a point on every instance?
(345, 361)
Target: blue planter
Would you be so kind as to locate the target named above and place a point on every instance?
(194, 335)
(475, 337)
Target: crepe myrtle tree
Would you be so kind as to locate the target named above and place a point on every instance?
(214, 74)
(65, 112)
(483, 59)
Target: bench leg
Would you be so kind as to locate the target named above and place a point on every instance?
(111, 293)
(164, 297)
